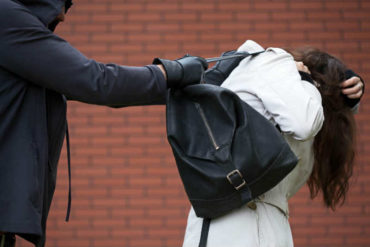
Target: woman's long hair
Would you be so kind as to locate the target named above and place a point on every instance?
(334, 145)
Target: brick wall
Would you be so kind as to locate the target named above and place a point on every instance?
(126, 190)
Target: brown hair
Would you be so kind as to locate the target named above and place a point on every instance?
(334, 145)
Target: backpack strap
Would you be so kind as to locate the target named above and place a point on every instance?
(226, 63)
(235, 179)
(204, 233)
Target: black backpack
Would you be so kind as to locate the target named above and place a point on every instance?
(227, 153)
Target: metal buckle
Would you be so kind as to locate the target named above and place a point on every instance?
(241, 177)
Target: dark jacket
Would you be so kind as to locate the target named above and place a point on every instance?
(38, 71)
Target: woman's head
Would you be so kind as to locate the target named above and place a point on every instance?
(334, 145)
(327, 71)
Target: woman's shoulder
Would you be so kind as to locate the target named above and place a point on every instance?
(251, 46)
(272, 58)
(277, 50)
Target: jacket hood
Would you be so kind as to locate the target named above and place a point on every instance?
(46, 10)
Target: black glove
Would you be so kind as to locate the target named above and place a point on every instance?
(222, 69)
(183, 71)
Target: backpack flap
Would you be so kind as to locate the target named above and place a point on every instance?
(223, 148)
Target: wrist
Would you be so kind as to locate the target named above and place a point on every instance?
(160, 66)
(172, 69)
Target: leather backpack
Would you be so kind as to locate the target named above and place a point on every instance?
(227, 153)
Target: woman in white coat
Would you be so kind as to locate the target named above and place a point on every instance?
(272, 85)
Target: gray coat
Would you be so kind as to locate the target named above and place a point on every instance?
(38, 71)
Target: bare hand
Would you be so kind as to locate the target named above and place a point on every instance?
(353, 87)
(302, 67)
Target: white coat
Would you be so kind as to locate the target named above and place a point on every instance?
(271, 84)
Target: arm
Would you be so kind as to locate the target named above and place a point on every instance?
(292, 103)
(32, 52)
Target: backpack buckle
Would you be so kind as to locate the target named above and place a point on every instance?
(236, 179)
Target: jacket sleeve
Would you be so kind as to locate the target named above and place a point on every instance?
(30, 51)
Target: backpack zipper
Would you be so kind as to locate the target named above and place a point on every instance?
(209, 130)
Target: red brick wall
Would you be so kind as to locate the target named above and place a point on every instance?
(126, 190)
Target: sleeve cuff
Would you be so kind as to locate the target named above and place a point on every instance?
(306, 77)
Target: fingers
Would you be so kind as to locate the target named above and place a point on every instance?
(351, 82)
(355, 96)
(353, 88)
(302, 67)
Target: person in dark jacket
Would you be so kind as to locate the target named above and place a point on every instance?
(38, 72)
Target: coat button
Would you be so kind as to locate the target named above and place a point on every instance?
(252, 205)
